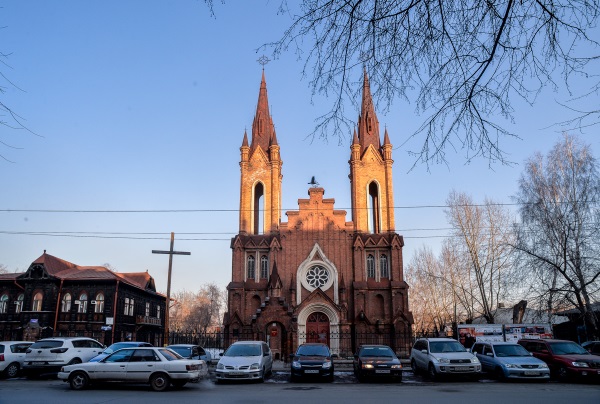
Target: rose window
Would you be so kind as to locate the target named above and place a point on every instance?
(317, 276)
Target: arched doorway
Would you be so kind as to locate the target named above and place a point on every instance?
(317, 328)
(275, 337)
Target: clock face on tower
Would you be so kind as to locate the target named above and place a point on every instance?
(317, 276)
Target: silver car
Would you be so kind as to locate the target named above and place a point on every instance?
(245, 360)
(12, 355)
(509, 360)
(443, 356)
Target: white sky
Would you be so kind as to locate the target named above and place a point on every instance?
(142, 105)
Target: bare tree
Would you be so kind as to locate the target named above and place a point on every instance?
(462, 62)
(483, 239)
(3, 269)
(560, 227)
(198, 311)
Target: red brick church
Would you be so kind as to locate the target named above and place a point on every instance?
(318, 277)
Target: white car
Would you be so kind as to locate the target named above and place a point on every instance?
(48, 355)
(160, 367)
(249, 360)
(12, 355)
(443, 356)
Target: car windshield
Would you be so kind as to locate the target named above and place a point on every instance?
(184, 351)
(243, 350)
(446, 346)
(46, 344)
(567, 348)
(169, 354)
(379, 352)
(510, 350)
(312, 350)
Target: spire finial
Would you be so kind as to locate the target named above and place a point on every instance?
(263, 60)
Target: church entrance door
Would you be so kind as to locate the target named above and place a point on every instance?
(317, 328)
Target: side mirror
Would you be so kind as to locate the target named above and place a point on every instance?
(424, 351)
(544, 351)
(220, 353)
(490, 354)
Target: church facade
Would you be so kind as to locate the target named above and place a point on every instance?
(318, 277)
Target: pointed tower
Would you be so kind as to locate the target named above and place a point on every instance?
(260, 166)
(371, 172)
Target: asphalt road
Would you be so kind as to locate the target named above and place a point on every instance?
(277, 389)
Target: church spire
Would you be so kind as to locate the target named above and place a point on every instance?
(262, 127)
(368, 125)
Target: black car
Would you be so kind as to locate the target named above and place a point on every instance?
(377, 361)
(312, 360)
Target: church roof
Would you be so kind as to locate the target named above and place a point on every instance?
(368, 124)
(262, 127)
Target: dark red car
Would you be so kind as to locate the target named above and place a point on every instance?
(566, 359)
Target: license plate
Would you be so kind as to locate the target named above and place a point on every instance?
(311, 371)
(38, 363)
(457, 369)
(236, 373)
(382, 371)
(531, 373)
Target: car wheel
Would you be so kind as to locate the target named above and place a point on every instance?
(159, 382)
(261, 379)
(330, 378)
(413, 366)
(79, 381)
(431, 372)
(562, 374)
(499, 374)
(293, 378)
(12, 370)
(74, 361)
(179, 383)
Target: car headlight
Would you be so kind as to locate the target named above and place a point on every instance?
(581, 365)
(443, 360)
(510, 366)
(543, 366)
(474, 360)
(255, 366)
(367, 366)
(396, 366)
(220, 366)
(296, 365)
(327, 365)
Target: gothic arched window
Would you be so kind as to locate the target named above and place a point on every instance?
(384, 271)
(99, 308)
(258, 208)
(38, 299)
(264, 267)
(251, 269)
(4, 303)
(374, 225)
(19, 305)
(83, 301)
(370, 266)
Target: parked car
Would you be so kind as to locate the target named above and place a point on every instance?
(443, 356)
(191, 351)
(48, 355)
(118, 345)
(12, 355)
(312, 360)
(377, 361)
(509, 360)
(566, 359)
(245, 360)
(160, 367)
(592, 347)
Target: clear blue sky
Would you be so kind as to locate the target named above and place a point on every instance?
(142, 105)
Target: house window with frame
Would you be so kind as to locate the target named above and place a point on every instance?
(38, 299)
(127, 303)
(99, 308)
(65, 304)
(131, 306)
(83, 301)
(19, 305)
(4, 303)
(157, 311)
(147, 309)
(251, 270)
(370, 266)
(384, 270)
(264, 267)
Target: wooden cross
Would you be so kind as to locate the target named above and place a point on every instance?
(171, 253)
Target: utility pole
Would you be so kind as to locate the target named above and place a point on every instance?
(171, 253)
